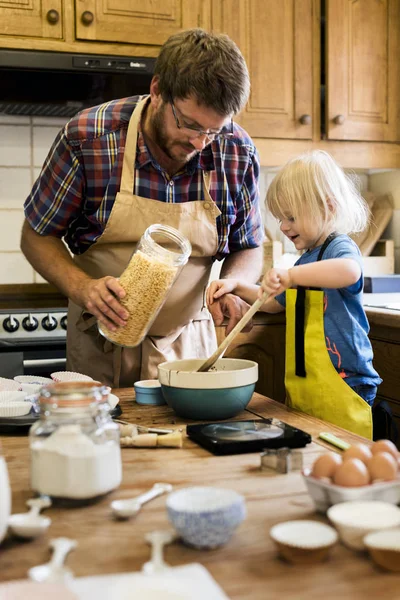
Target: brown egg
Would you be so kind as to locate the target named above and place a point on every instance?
(383, 466)
(360, 451)
(352, 473)
(326, 465)
(385, 446)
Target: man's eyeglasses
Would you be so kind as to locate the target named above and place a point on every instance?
(224, 133)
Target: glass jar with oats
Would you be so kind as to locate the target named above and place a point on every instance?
(155, 264)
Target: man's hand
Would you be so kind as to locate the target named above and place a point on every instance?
(233, 308)
(100, 298)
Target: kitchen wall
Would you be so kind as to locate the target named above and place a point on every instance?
(24, 143)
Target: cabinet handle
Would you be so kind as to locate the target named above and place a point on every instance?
(53, 16)
(87, 18)
(305, 119)
(338, 120)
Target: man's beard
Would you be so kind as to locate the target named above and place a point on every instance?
(162, 140)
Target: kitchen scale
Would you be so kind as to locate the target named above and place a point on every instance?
(239, 437)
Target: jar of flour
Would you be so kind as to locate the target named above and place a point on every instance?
(75, 449)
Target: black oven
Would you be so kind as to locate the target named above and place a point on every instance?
(32, 342)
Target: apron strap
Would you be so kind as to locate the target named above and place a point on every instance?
(299, 339)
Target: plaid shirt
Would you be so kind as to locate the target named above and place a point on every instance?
(75, 191)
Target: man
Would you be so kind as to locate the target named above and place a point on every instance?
(109, 173)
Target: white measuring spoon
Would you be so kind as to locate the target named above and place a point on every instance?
(123, 509)
(157, 539)
(54, 570)
(31, 524)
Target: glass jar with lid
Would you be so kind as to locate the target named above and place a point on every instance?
(154, 266)
(75, 445)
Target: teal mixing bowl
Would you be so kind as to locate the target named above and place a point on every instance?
(218, 394)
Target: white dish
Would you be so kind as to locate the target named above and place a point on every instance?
(354, 520)
(325, 494)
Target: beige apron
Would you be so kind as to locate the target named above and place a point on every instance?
(183, 328)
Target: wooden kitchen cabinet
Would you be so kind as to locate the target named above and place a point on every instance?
(265, 344)
(33, 18)
(276, 39)
(363, 70)
(134, 20)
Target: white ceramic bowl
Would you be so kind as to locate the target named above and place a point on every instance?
(326, 494)
(220, 393)
(70, 376)
(205, 517)
(354, 520)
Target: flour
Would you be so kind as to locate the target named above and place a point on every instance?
(68, 464)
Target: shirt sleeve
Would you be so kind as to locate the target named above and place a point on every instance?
(344, 247)
(247, 230)
(56, 197)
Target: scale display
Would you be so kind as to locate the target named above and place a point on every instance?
(239, 437)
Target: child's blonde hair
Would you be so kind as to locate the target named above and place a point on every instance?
(312, 187)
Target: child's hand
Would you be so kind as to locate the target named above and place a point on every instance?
(275, 281)
(219, 288)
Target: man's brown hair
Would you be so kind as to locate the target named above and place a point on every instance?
(205, 65)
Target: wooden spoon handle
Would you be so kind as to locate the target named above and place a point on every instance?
(237, 329)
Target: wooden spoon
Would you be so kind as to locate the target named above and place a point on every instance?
(206, 366)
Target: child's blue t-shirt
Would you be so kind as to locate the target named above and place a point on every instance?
(345, 322)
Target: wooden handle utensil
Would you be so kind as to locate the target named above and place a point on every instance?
(206, 366)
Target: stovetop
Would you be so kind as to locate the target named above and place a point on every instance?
(33, 325)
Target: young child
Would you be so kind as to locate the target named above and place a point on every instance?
(329, 371)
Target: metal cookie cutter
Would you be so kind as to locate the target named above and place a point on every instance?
(281, 460)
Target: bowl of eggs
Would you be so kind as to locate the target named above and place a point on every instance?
(361, 473)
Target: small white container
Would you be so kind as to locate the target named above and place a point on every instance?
(325, 494)
(304, 541)
(354, 520)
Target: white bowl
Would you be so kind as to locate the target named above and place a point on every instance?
(205, 517)
(9, 384)
(354, 520)
(69, 376)
(326, 494)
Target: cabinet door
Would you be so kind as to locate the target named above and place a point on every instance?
(31, 18)
(135, 21)
(363, 74)
(275, 37)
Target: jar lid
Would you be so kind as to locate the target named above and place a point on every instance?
(74, 393)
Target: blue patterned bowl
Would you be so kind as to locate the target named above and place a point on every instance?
(205, 517)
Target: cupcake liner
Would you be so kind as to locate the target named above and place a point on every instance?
(306, 535)
(386, 539)
(69, 376)
(9, 384)
(33, 379)
(14, 409)
(12, 396)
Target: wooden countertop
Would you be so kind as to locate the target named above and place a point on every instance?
(248, 567)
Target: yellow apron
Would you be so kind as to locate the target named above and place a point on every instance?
(183, 328)
(319, 390)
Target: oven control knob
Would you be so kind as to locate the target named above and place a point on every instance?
(30, 323)
(63, 322)
(10, 324)
(49, 323)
